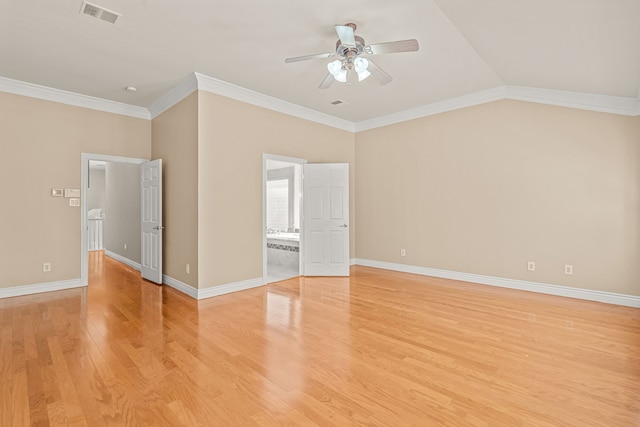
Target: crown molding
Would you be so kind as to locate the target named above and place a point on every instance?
(626, 106)
(176, 94)
(621, 105)
(476, 98)
(31, 90)
(219, 87)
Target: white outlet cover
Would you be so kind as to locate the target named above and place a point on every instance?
(74, 202)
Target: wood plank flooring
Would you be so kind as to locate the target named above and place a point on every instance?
(377, 349)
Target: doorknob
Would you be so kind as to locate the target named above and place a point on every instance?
(343, 226)
(158, 227)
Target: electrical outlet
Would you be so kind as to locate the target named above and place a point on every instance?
(125, 247)
(46, 267)
(531, 266)
(188, 269)
(403, 252)
(568, 269)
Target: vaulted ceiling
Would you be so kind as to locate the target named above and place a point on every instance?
(466, 46)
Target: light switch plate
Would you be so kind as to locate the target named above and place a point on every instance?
(71, 192)
(56, 192)
(74, 202)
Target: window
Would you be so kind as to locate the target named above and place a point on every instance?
(283, 205)
(278, 205)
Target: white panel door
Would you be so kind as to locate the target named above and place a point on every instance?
(151, 266)
(326, 219)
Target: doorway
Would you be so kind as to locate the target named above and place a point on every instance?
(96, 202)
(85, 204)
(282, 219)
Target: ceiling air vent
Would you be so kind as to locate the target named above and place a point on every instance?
(338, 102)
(99, 12)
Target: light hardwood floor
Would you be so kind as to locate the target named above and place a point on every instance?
(376, 349)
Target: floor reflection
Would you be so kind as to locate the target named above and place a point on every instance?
(282, 310)
(379, 348)
(121, 305)
(300, 315)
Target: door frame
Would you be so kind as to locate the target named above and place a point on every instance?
(278, 158)
(84, 224)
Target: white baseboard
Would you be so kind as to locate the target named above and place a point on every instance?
(127, 261)
(190, 290)
(37, 288)
(212, 291)
(180, 286)
(543, 288)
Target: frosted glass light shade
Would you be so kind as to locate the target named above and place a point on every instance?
(363, 75)
(334, 67)
(361, 65)
(336, 70)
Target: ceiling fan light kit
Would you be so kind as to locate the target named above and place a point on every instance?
(361, 66)
(337, 70)
(349, 48)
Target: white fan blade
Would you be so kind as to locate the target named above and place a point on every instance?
(391, 47)
(326, 82)
(346, 36)
(379, 73)
(304, 58)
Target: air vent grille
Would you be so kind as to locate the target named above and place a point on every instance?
(99, 12)
(338, 102)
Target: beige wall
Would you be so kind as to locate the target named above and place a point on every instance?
(232, 139)
(122, 210)
(40, 147)
(175, 141)
(485, 189)
(95, 191)
(480, 190)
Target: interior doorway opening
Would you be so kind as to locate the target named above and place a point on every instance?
(98, 161)
(282, 219)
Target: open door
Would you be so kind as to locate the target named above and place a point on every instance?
(326, 219)
(151, 217)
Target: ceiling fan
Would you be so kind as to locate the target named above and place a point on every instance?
(351, 65)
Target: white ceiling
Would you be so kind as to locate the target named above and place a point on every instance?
(466, 46)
